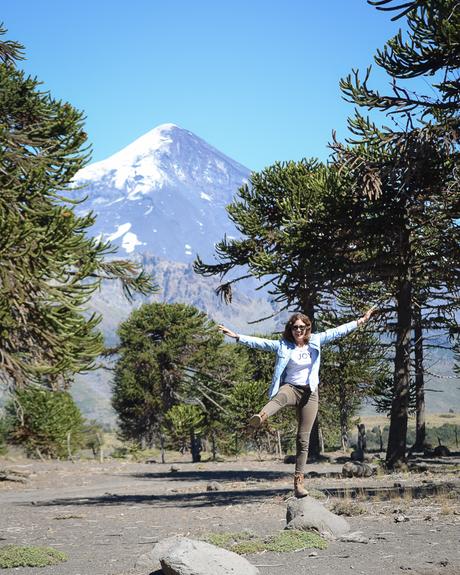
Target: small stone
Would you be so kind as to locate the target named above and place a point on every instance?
(355, 537)
(174, 469)
(401, 518)
(213, 486)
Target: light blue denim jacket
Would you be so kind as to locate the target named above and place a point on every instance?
(284, 348)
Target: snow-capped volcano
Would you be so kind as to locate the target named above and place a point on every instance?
(165, 194)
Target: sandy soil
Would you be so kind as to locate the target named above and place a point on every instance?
(104, 516)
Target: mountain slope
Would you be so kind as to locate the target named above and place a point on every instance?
(165, 193)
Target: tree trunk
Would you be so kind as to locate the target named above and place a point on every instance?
(343, 418)
(69, 448)
(162, 448)
(380, 438)
(320, 440)
(314, 449)
(396, 450)
(195, 447)
(278, 442)
(213, 445)
(307, 305)
(420, 431)
(362, 438)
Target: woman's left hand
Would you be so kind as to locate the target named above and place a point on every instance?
(366, 317)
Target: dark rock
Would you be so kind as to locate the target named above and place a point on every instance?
(289, 459)
(441, 451)
(357, 469)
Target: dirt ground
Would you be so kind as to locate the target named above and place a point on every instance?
(104, 516)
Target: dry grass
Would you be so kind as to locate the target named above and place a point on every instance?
(348, 507)
(245, 542)
(432, 420)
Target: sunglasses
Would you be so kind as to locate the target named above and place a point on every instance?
(299, 327)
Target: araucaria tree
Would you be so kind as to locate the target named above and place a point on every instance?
(169, 354)
(381, 220)
(49, 265)
(411, 174)
(297, 222)
(295, 233)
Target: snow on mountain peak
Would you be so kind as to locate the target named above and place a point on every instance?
(135, 162)
(164, 193)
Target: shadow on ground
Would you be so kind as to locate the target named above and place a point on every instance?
(215, 475)
(174, 500)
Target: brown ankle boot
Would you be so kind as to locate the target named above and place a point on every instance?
(299, 489)
(256, 420)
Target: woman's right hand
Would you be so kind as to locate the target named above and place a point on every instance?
(227, 331)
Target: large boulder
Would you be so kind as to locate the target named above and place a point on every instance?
(183, 556)
(308, 514)
(151, 559)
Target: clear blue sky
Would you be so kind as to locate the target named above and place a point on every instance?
(257, 79)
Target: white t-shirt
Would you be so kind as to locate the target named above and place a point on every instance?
(298, 368)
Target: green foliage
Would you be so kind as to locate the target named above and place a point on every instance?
(352, 368)
(49, 266)
(447, 434)
(15, 556)
(382, 395)
(169, 354)
(92, 436)
(429, 48)
(183, 422)
(248, 395)
(45, 422)
(288, 217)
(245, 399)
(410, 170)
(245, 542)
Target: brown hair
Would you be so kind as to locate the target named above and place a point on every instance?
(287, 333)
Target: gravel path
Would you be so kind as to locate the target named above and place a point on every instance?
(104, 516)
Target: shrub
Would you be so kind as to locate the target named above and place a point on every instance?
(245, 542)
(15, 556)
(45, 422)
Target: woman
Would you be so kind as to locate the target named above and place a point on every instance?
(296, 377)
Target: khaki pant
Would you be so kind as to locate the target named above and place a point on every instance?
(306, 404)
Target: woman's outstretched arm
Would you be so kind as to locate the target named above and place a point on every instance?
(341, 330)
(228, 332)
(250, 341)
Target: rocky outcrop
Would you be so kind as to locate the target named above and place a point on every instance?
(182, 556)
(308, 514)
